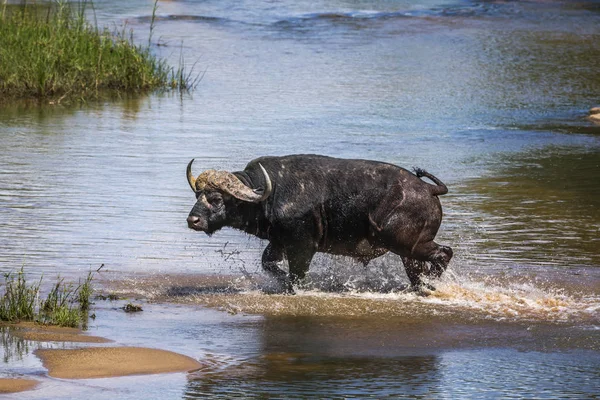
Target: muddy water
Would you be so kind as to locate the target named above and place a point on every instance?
(490, 96)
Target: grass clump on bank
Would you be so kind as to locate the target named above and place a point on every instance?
(52, 52)
(65, 305)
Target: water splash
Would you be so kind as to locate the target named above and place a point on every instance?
(494, 299)
(457, 298)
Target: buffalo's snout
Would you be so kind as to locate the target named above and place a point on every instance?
(195, 223)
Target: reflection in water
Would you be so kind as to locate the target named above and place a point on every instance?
(348, 358)
(324, 358)
(13, 348)
(541, 208)
(36, 118)
(18, 350)
(286, 375)
(517, 63)
(455, 374)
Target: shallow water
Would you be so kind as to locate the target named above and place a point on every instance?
(490, 96)
(383, 355)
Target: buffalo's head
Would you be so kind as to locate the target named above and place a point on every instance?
(218, 195)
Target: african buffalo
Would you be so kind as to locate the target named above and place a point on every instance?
(303, 204)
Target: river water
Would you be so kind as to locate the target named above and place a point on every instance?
(490, 96)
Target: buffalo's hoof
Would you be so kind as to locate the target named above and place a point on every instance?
(279, 288)
(289, 292)
(422, 290)
(429, 287)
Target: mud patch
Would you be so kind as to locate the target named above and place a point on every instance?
(106, 362)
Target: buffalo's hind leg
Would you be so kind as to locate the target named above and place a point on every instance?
(415, 263)
(271, 257)
(437, 255)
(440, 263)
(415, 270)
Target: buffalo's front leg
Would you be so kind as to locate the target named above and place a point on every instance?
(271, 257)
(299, 261)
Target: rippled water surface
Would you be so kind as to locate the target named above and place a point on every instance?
(490, 96)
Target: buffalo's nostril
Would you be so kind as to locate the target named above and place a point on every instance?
(192, 220)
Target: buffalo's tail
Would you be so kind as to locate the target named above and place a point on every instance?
(436, 190)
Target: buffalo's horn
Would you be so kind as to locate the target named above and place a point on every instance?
(190, 177)
(268, 186)
(229, 183)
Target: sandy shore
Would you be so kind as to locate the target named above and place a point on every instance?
(104, 362)
(92, 362)
(9, 385)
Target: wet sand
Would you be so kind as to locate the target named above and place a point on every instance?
(59, 337)
(105, 362)
(9, 385)
(42, 333)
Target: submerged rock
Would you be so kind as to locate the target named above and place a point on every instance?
(129, 307)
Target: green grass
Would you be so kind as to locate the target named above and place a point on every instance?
(52, 52)
(85, 292)
(19, 300)
(65, 304)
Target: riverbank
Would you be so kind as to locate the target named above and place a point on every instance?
(51, 53)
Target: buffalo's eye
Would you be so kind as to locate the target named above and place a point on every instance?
(215, 201)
